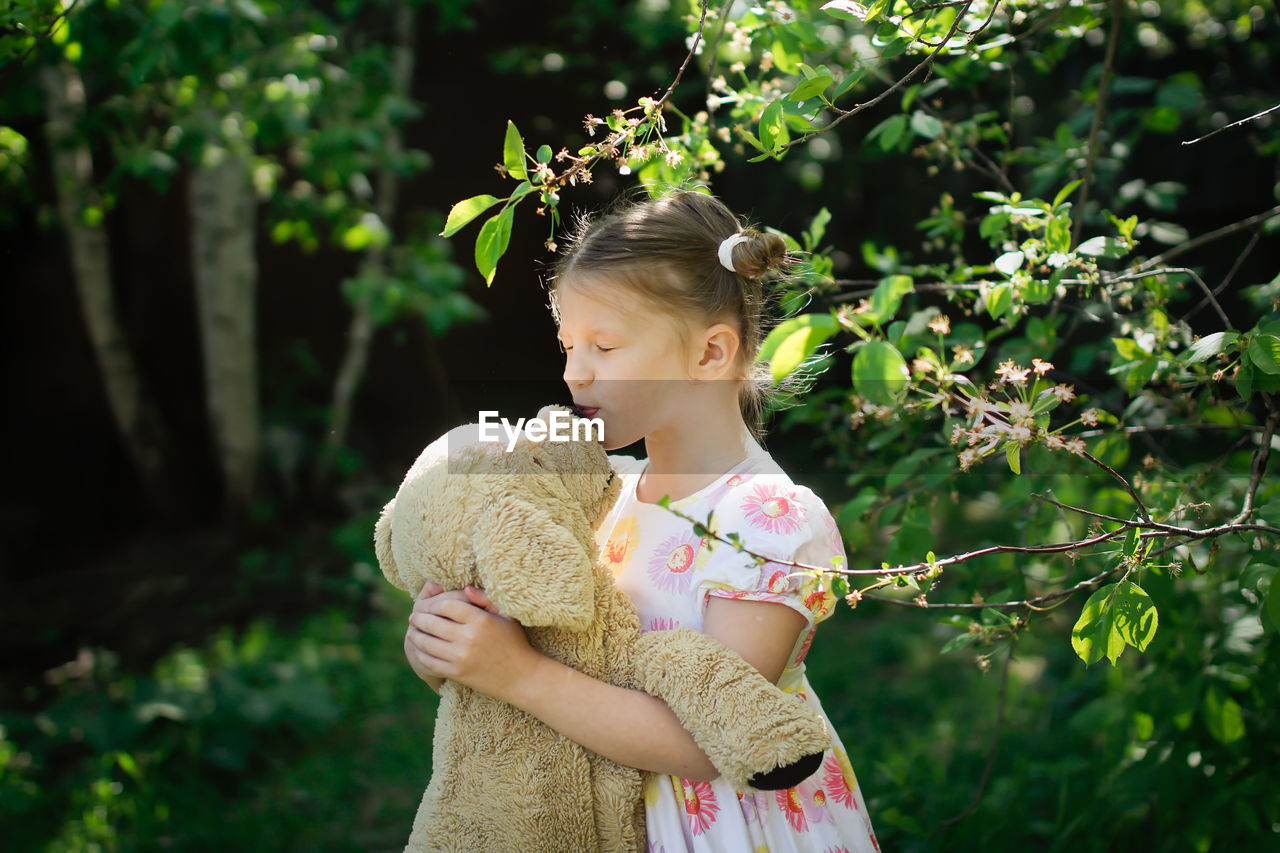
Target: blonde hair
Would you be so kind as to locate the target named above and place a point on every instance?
(666, 252)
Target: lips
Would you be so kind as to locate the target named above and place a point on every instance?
(585, 411)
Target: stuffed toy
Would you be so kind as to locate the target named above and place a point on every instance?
(517, 518)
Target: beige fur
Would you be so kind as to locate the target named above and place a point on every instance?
(521, 525)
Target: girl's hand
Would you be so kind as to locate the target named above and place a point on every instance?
(413, 637)
(470, 643)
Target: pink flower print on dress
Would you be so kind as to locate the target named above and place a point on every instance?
(819, 602)
(774, 509)
(792, 809)
(700, 805)
(671, 561)
(661, 623)
(804, 649)
(750, 811)
(815, 803)
(778, 581)
(617, 551)
(803, 805)
(836, 781)
(735, 480)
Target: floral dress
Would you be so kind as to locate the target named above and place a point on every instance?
(669, 572)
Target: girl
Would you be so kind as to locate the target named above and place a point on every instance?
(659, 314)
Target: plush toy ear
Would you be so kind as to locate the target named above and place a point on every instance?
(534, 569)
(755, 734)
(382, 546)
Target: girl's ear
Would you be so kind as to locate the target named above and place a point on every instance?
(716, 352)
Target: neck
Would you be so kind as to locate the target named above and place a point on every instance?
(688, 455)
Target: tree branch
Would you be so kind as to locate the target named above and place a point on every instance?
(1253, 117)
(925, 63)
(1197, 242)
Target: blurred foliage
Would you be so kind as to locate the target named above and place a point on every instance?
(1016, 297)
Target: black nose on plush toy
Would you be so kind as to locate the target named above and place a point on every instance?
(789, 775)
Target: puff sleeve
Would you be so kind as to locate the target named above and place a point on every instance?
(777, 519)
(624, 464)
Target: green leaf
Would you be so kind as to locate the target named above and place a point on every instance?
(793, 340)
(1116, 615)
(1210, 345)
(1272, 605)
(1264, 352)
(1103, 247)
(544, 154)
(1012, 455)
(1092, 635)
(888, 131)
(811, 87)
(1244, 378)
(1065, 192)
(1131, 542)
(926, 125)
(999, 301)
(465, 211)
(880, 373)
(1010, 262)
(959, 642)
(1136, 616)
(1057, 234)
(1222, 716)
(886, 299)
(513, 152)
(773, 128)
(854, 510)
(492, 243)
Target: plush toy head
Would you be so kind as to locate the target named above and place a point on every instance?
(488, 512)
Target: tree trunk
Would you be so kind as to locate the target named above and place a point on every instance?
(135, 416)
(360, 333)
(223, 217)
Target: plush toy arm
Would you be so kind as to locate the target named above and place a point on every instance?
(755, 734)
(533, 569)
(382, 546)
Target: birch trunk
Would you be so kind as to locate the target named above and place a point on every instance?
(360, 333)
(135, 416)
(223, 223)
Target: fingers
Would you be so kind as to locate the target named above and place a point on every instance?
(424, 649)
(436, 626)
(454, 607)
(480, 598)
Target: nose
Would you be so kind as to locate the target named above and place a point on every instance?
(576, 371)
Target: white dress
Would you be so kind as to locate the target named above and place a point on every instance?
(669, 572)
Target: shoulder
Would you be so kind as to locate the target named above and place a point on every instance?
(765, 505)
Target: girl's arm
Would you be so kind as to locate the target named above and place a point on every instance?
(489, 653)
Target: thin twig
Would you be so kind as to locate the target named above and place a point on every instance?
(1231, 274)
(19, 61)
(1128, 487)
(924, 63)
(1253, 117)
(1197, 242)
(1261, 455)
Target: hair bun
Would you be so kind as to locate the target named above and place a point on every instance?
(758, 254)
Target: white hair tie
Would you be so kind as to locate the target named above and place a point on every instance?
(726, 250)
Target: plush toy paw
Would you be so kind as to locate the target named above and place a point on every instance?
(788, 776)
